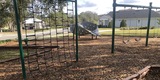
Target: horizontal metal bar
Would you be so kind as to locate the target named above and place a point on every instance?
(125, 5)
(70, 0)
(138, 6)
(155, 7)
(25, 47)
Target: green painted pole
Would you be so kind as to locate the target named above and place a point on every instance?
(113, 25)
(76, 25)
(148, 26)
(19, 39)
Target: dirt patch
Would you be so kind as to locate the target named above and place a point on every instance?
(96, 62)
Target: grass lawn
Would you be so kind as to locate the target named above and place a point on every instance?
(118, 31)
(6, 54)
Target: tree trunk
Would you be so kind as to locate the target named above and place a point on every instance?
(21, 25)
(10, 25)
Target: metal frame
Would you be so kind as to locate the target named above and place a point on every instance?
(137, 6)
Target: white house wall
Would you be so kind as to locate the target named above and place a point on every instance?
(104, 20)
(154, 22)
(137, 22)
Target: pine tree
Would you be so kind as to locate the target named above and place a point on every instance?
(123, 23)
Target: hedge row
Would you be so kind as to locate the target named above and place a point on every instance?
(135, 28)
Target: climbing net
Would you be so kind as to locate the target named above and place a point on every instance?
(47, 34)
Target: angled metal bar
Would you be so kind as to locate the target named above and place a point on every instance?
(19, 39)
(148, 26)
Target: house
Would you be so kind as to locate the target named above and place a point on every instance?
(133, 18)
(33, 23)
(104, 20)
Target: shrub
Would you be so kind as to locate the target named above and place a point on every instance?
(101, 26)
(152, 27)
(123, 23)
(146, 27)
(4, 41)
(110, 24)
(143, 27)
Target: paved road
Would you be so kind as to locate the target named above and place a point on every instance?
(14, 36)
(38, 34)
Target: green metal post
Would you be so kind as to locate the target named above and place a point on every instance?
(113, 25)
(19, 39)
(76, 25)
(148, 26)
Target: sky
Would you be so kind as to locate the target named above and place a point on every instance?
(105, 6)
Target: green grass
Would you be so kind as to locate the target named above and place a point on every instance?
(6, 54)
(140, 32)
(4, 41)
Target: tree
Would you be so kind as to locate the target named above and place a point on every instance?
(58, 20)
(7, 14)
(123, 23)
(88, 16)
(61, 3)
(110, 24)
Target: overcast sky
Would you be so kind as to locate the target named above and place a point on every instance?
(105, 6)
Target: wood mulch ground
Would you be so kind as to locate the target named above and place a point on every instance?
(96, 62)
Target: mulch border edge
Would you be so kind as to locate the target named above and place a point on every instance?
(142, 73)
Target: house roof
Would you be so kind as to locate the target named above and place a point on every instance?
(131, 13)
(102, 15)
(105, 17)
